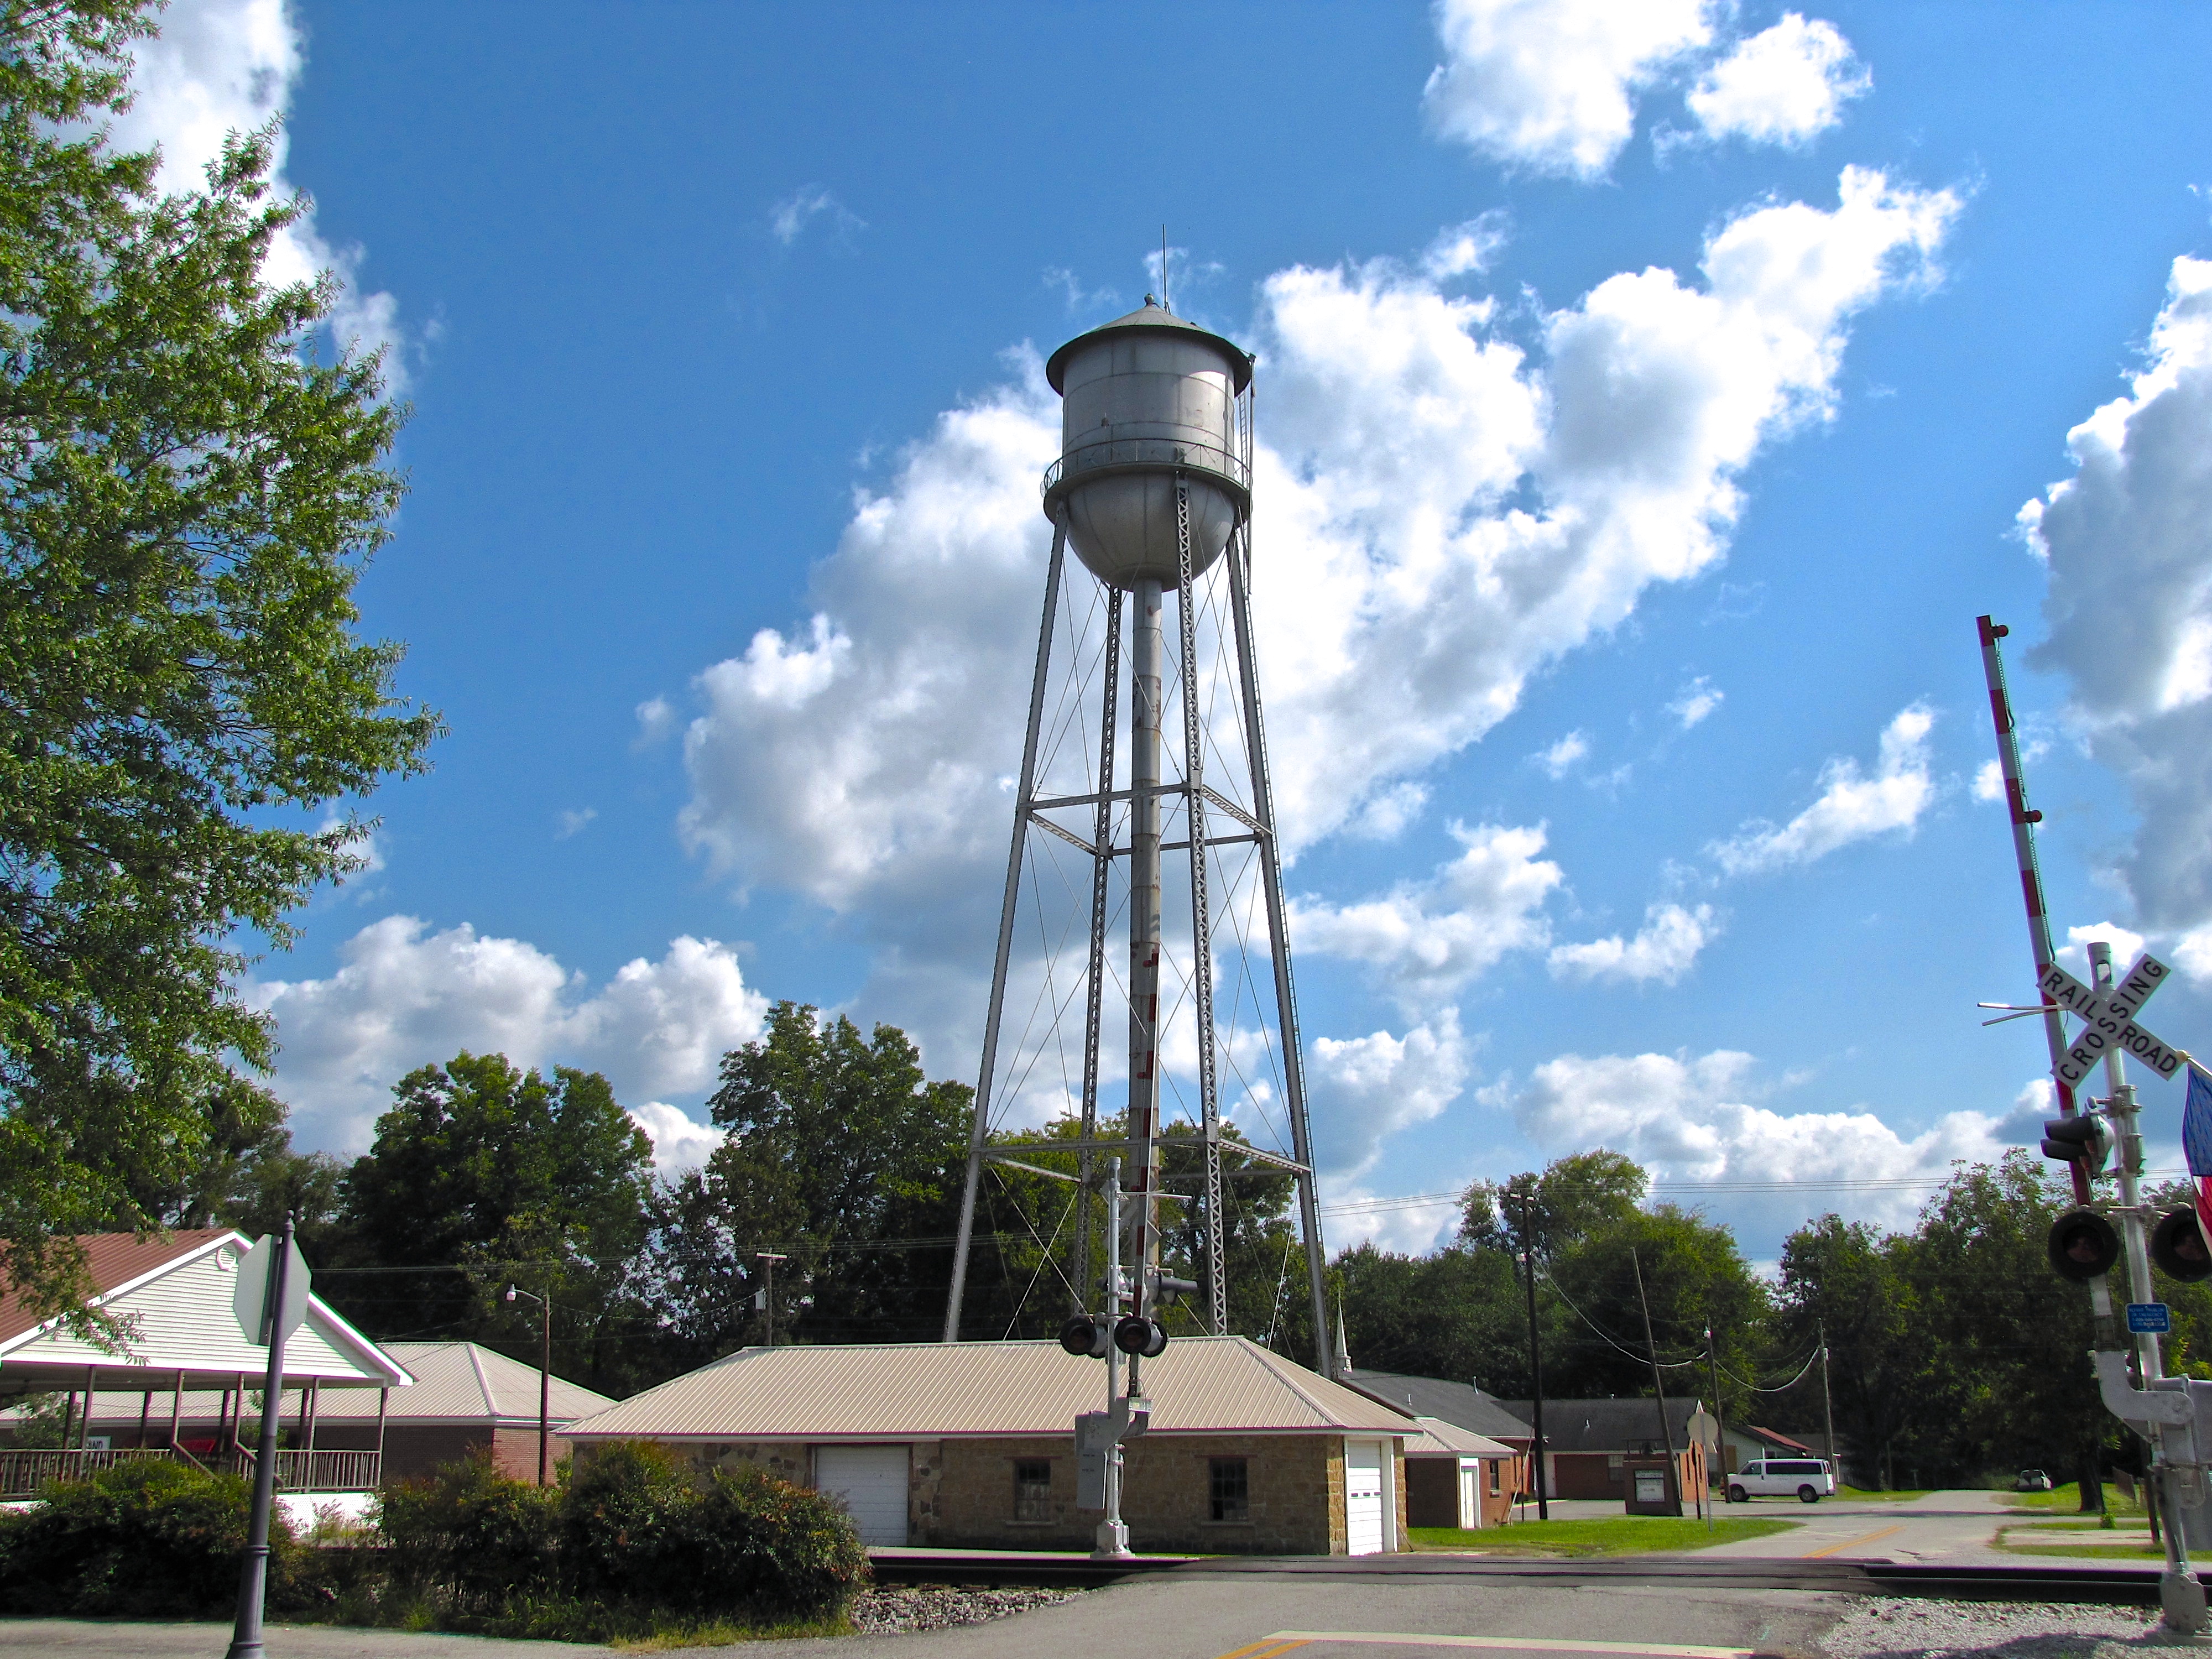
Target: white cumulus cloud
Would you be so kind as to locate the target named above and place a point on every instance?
(2129, 601)
(788, 219)
(680, 1142)
(1852, 805)
(1425, 939)
(219, 67)
(1559, 759)
(1368, 1089)
(1551, 85)
(1663, 949)
(404, 996)
(1783, 86)
(1697, 700)
(1695, 1118)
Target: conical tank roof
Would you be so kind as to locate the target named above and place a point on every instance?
(1155, 316)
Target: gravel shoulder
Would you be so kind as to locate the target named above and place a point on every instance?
(1905, 1627)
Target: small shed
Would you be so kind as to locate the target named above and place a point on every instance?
(971, 1444)
(1455, 1478)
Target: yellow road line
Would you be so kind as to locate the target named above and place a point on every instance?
(1254, 1650)
(1867, 1538)
(1535, 1644)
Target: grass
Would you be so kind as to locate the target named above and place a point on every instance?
(1629, 1535)
(1860, 1494)
(2073, 1538)
(2067, 1500)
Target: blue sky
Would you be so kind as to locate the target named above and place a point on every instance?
(1647, 399)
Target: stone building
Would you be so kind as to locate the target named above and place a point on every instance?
(971, 1444)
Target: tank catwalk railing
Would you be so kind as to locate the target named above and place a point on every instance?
(1149, 453)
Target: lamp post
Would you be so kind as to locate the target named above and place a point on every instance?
(545, 1378)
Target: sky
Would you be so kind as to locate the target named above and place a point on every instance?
(1650, 396)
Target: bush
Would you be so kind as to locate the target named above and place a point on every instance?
(148, 1538)
(640, 1530)
(470, 1534)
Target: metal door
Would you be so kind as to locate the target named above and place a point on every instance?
(1362, 1497)
(872, 1481)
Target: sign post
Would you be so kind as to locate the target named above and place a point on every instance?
(270, 1303)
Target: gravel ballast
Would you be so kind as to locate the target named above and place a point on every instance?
(1881, 1626)
(894, 1609)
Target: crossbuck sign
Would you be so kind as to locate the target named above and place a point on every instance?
(2110, 1023)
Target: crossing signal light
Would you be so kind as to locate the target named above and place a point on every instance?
(1141, 1336)
(2177, 1247)
(2080, 1139)
(1085, 1336)
(2083, 1245)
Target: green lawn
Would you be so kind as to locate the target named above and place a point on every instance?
(2067, 1500)
(1859, 1494)
(1629, 1535)
(2075, 1538)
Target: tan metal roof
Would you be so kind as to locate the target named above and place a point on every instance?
(930, 1390)
(1440, 1437)
(455, 1382)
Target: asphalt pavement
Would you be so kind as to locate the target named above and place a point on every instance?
(1369, 1609)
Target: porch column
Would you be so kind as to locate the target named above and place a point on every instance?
(176, 1411)
(383, 1401)
(145, 1409)
(84, 1429)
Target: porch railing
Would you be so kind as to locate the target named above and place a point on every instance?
(23, 1472)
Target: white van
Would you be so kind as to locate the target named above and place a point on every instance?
(1809, 1480)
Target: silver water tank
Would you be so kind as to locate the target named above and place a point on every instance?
(1145, 401)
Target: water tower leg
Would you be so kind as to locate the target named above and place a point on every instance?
(1279, 946)
(981, 1129)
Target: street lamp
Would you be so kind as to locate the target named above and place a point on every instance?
(544, 1378)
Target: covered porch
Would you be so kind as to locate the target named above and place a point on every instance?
(176, 1374)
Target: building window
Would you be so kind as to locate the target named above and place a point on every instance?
(1032, 1489)
(1228, 1489)
(1494, 1463)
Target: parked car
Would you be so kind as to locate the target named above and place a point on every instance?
(2032, 1480)
(1809, 1480)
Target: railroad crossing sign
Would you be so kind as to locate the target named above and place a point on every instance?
(2111, 1025)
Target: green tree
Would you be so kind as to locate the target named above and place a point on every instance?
(1850, 1282)
(839, 1153)
(187, 497)
(1573, 1197)
(1458, 1314)
(482, 1175)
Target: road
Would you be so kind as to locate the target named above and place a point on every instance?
(1377, 1607)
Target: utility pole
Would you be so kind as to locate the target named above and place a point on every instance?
(767, 1295)
(253, 1574)
(1666, 1433)
(1829, 1410)
(1535, 1364)
(544, 1374)
(1720, 1431)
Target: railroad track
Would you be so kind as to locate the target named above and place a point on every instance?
(2109, 1586)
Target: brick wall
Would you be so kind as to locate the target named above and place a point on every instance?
(961, 1493)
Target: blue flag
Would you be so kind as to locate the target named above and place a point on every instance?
(2197, 1122)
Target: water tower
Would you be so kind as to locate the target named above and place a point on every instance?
(1153, 491)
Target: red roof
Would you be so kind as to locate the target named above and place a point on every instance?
(1781, 1439)
(112, 1260)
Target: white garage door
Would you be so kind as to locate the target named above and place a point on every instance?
(872, 1480)
(1362, 1497)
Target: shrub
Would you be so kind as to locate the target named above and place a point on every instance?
(149, 1537)
(471, 1534)
(640, 1530)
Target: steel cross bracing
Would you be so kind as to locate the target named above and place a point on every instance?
(1201, 923)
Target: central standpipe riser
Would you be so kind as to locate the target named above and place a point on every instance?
(1145, 685)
